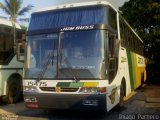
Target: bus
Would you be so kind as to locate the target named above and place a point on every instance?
(10, 68)
(81, 56)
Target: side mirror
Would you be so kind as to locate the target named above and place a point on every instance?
(20, 52)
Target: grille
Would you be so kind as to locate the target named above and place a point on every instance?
(53, 89)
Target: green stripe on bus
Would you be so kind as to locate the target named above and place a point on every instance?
(131, 69)
(134, 69)
(69, 84)
(76, 84)
(63, 84)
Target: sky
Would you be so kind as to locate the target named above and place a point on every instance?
(47, 3)
(38, 4)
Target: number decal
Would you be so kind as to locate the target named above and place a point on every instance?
(32, 83)
(40, 84)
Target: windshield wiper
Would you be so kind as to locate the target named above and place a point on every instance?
(66, 60)
(71, 70)
(45, 66)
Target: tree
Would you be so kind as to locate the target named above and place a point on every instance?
(144, 17)
(13, 9)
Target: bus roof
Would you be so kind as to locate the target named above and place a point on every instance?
(72, 5)
(8, 23)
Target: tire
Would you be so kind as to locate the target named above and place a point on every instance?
(14, 91)
(142, 81)
(122, 94)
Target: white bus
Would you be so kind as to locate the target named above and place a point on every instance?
(79, 57)
(10, 69)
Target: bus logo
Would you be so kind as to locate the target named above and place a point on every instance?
(113, 95)
(123, 59)
(58, 89)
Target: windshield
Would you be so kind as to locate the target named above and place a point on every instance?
(77, 55)
(42, 54)
(82, 54)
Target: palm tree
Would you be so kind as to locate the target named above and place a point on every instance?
(13, 9)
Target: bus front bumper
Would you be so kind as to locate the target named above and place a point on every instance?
(66, 101)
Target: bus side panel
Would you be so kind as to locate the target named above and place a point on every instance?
(113, 89)
(132, 72)
(2, 82)
(6, 71)
(140, 69)
(136, 69)
(4, 75)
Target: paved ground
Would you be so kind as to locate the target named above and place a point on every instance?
(143, 105)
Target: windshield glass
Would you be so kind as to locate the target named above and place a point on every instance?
(82, 55)
(42, 56)
(77, 55)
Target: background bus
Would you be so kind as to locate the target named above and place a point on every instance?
(76, 58)
(10, 68)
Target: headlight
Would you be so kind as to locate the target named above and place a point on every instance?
(93, 90)
(30, 89)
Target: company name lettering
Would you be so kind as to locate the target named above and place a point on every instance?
(77, 28)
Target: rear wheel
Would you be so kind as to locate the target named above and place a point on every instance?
(121, 102)
(142, 80)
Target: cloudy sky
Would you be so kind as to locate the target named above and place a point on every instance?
(47, 3)
(115, 3)
(38, 4)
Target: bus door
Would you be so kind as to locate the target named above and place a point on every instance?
(112, 56)
(112, 90)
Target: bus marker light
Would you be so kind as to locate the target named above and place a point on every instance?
(102, 89)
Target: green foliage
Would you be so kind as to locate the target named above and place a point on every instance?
(13, 8)
(144, 17)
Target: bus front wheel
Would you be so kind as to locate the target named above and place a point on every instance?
(122, 95)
